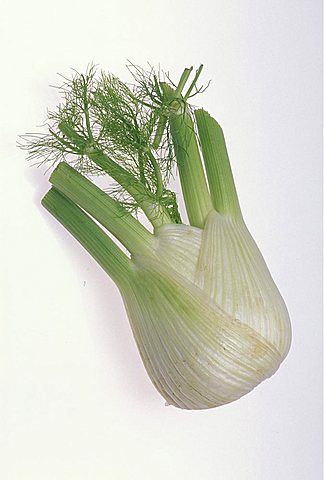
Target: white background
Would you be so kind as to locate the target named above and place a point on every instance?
(76, 403)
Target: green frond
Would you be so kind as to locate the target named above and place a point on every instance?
(128, 125)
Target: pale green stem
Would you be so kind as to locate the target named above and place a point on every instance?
(157, 172)
(159, 131)
(89, 234)
(193, 83)
(129, 231)
(155, 212)
(192, 177)
(177, 94)
(162, 122)
(217, 164)
(183, 80)
(86, 108)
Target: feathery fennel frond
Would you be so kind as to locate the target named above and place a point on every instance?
(101, 115)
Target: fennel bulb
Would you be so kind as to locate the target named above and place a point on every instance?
(207, 317)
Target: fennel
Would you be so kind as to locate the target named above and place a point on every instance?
(208, 320)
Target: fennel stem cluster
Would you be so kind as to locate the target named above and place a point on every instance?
(206, 315)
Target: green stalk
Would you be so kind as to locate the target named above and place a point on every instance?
(157, 173)
(218, 168)
(86, 108)
(192, 177)
(193, 83)
(131, 233)
(155, 212)
(162, 122)
(183, 80)
(89, 234)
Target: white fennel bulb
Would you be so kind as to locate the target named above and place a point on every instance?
(207, 317)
